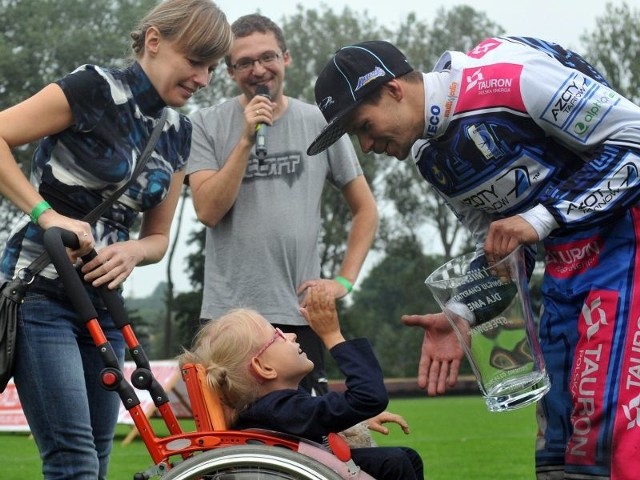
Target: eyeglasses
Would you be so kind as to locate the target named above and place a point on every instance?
(277, 334)
(266, 59)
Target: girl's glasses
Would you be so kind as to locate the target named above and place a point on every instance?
(278, 334)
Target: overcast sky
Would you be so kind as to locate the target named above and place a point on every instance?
(561, 21)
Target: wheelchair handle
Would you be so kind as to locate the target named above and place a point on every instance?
(55, 241)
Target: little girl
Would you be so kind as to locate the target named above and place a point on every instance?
(256, 371)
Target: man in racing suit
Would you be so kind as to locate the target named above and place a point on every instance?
(526, 142)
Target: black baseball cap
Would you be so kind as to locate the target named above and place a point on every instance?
(354, 73)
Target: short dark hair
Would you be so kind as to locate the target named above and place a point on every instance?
(413, 76)
(254, 22)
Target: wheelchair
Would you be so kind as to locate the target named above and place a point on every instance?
(212, 451)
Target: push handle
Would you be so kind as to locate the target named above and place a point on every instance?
(55, 241)
(112, 300)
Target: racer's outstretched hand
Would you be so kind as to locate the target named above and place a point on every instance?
(440, 355)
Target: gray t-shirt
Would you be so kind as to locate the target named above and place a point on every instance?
(268, 242)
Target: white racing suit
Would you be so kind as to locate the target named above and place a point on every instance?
(522, 126)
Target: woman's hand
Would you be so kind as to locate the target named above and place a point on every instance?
(50, 218)
(113, 264)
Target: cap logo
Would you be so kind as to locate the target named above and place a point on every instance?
(369, 77)
(326, 103)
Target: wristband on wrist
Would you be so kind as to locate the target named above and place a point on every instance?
(38, 210)
(345, 283)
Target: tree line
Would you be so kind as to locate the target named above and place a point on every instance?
(42, 41)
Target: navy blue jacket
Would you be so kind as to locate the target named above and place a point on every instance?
(298, 413)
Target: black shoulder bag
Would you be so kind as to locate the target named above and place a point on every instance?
(13, 291)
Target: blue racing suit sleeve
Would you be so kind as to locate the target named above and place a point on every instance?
(587, 117)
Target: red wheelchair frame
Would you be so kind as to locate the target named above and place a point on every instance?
(211, 428)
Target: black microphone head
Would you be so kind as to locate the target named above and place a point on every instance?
(263, 90)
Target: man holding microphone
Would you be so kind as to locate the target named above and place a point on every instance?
(261, 201)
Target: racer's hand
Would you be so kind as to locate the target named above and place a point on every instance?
(505, 235)
(441, 352)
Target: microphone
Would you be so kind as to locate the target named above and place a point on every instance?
(261, 138)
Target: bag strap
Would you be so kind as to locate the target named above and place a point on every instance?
(95, 214)
(42, 261)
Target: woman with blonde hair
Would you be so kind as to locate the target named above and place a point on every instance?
(92, 126)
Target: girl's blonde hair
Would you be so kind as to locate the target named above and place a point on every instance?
(224, 347)
(199, 28)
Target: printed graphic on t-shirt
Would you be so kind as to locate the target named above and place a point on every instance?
(283, 164)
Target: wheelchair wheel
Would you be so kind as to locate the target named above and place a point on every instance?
(251, 462)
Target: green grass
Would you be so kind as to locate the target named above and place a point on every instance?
(456, 437)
